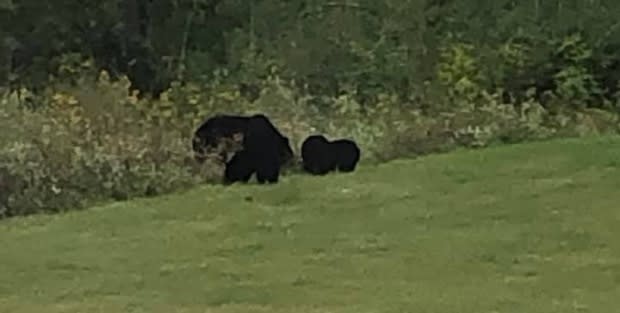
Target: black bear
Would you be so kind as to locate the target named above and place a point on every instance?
(264, 149)
(320, 156)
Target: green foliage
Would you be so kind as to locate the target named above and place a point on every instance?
(368, 46)
(403, 78)
(576, 84)
(457, 69)
(88, 144)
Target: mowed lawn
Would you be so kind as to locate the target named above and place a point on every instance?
(523, 228)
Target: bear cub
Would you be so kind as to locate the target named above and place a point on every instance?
(320, 156)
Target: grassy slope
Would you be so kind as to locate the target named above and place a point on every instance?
(526, 228)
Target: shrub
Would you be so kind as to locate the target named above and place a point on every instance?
(85, 144)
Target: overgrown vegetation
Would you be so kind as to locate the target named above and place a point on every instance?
(403, 78)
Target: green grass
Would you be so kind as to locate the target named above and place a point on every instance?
(523, 228)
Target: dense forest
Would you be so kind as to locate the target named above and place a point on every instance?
(563, 46)
(404, 77)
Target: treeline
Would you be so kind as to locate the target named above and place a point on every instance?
(565, 47)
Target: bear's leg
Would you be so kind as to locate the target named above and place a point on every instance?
(318, 168)
(347, 167)
(268, 171)
(239, 168)
(232, 175)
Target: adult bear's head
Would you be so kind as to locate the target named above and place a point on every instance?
(214, 130)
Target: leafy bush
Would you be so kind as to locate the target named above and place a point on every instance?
(88, 143)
